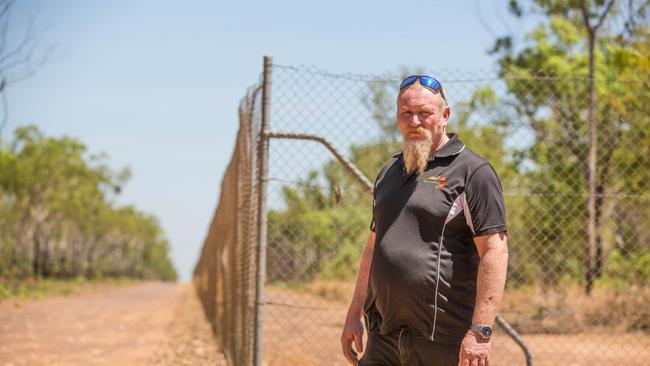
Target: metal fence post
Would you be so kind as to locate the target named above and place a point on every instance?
(263, 149)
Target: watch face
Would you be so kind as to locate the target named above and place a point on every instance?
(486, 331)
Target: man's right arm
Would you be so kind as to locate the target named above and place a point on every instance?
(353, 329)
(361, 288)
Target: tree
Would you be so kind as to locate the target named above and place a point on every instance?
(584, 57)
(58, 219)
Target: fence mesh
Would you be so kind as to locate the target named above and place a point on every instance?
(225, 274)
(574, 303)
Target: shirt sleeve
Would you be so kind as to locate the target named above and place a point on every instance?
(485, 201)
(380, 176)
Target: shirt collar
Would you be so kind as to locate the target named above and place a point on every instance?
(452, 147)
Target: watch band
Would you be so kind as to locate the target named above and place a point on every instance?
(483, 330)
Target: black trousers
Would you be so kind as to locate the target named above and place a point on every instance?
(405, 347)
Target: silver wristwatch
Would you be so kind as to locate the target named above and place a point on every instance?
(484, 331)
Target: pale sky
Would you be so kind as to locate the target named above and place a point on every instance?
(156, 84)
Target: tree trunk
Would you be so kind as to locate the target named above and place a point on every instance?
(593, 149)
(36, 259)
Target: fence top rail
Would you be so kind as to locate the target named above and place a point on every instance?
(539, 75)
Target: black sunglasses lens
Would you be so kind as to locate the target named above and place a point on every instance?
(408, 81)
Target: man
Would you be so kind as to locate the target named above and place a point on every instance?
(432, 272)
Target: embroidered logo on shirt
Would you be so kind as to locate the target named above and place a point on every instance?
(438, 181)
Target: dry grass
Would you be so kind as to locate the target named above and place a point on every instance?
(557, 310)
(307, 331)
(38, 288)
(569, 310)
(338, 291)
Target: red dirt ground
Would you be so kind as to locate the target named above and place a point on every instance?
(145, 324)
(163, 324)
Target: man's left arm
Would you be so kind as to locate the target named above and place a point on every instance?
(493, 250)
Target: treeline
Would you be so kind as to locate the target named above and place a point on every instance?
(58, 218)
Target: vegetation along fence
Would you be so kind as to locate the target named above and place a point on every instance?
(59, 219)
(278, 265)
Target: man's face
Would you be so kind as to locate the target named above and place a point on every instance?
(420, 116)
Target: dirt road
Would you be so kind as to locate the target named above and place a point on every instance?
(145, 324)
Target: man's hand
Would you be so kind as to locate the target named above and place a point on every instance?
(353, 329)
(352, 332)
(474, 351)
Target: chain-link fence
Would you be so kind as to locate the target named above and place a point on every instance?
(577, 296)
(225, 275)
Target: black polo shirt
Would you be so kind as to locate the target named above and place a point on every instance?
(424, 267)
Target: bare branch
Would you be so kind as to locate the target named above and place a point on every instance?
(481, 20)
(630, 22)
(5, 8)
(30, 36)
(4, 17)
(3, 34)
(587, 18)
(501, 19)
(585, 15)
(601, 19)
(634, 16)
(16, 63)
(5, 108)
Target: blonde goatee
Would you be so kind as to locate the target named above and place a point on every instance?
(416, 153)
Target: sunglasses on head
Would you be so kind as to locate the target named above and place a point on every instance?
(426, 81)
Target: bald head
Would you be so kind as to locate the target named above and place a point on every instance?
(418, 89)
